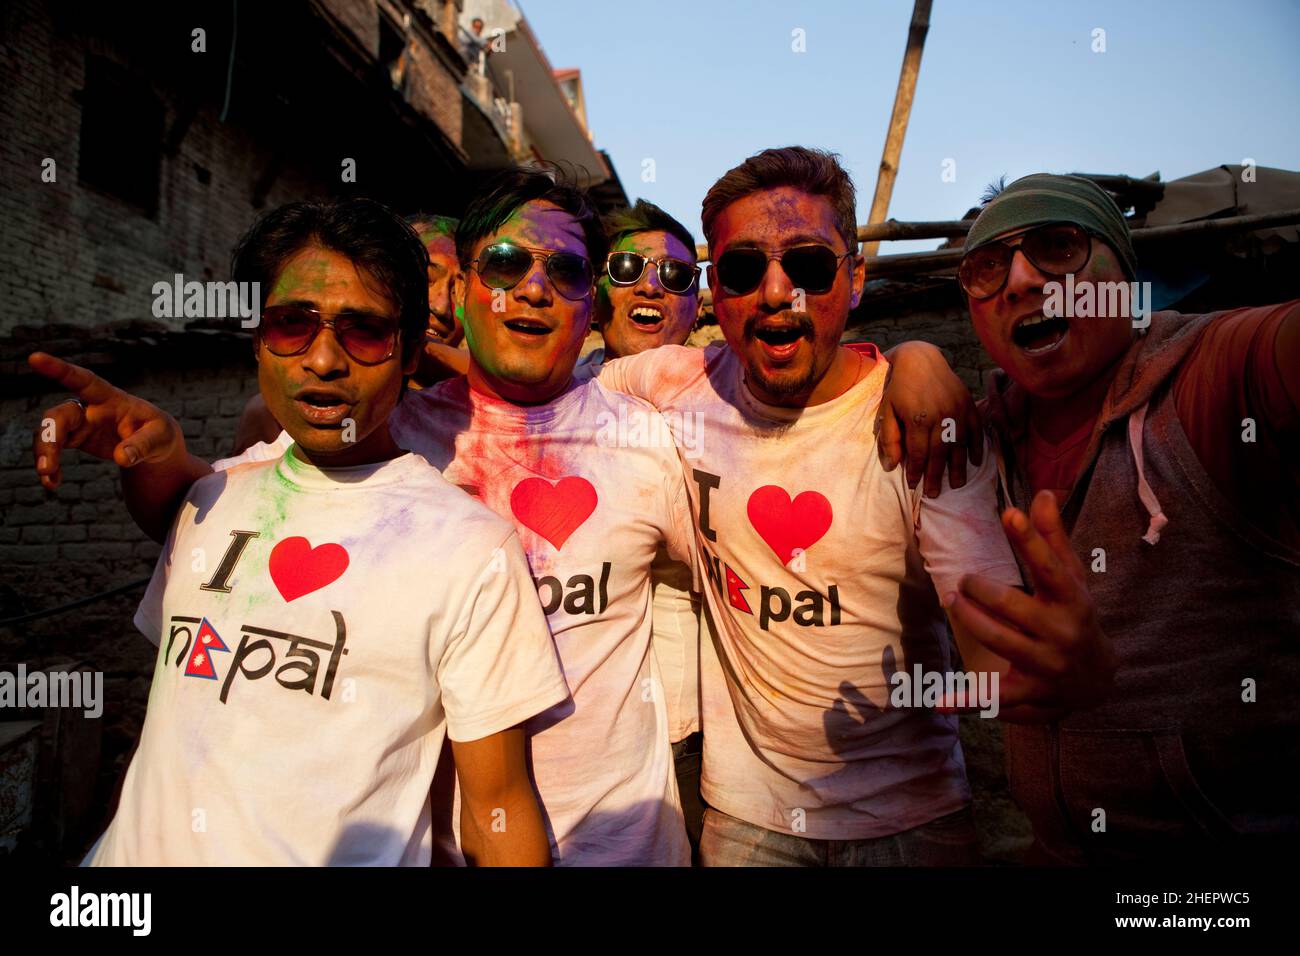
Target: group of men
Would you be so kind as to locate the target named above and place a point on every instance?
(562, 577)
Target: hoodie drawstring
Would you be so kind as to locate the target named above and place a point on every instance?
(1149, 500)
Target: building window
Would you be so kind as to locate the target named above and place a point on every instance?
(121, 135)
(392, 51)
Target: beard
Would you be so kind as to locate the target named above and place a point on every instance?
(785, 383)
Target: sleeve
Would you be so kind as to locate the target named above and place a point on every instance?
(499, 666)
(627, 376)
(1233, 373)
(262, 451)
(657, 376)
(960, 532)
(149, 615)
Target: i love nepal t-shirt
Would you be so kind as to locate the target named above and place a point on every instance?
(320, 634)
(591, 482)
(822, 574)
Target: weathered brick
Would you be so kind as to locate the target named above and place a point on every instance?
(32, 494)
(233, 406)
(117, 532)
(99, 488)
(147, 549)
(96, 550)
(200, 407)
(38, 534)
(45, 513)
(17, 477)
(28, 554)
(70, 532)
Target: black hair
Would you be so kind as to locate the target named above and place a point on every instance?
(381, 245)
(993, 190)
(646, 217)
(439, 225)
(508, 190)
(813, 171)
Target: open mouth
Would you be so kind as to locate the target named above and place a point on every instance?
(1037, 333)
(646, 317)
(528, 326)
(779, 342)
(323, 408)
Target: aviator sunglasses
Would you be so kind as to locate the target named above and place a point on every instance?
(810, 267)
(1056, 249)
(503, 264)
(675, 275)
(290, 329)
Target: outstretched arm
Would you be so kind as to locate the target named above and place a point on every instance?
(104, 421)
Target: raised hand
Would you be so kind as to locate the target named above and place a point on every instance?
(103, 421)
(1057, 658)
(921, 393)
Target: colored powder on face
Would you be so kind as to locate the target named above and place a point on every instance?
(304, 277)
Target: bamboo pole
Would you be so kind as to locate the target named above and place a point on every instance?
(898, 121)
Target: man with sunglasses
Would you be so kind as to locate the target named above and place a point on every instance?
(823, 566)
(648, 296)
(440, 358)
(1170, 442)
(329, 617)
(648, 291)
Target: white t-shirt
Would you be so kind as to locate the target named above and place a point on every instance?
(593, 503)
(817, 560)
(321, 632)
(676, 628)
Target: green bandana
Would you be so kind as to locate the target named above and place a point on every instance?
(1042, 198)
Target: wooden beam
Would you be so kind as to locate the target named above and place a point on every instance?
(898, 121)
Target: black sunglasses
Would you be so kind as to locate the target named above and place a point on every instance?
(290, 329)
(810, 267)
(1056, 249)
(675, 275)
(503, 264)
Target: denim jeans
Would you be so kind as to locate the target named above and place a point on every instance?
(948, 841)
(687, 755)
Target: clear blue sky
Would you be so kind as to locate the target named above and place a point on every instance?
(1010, 87)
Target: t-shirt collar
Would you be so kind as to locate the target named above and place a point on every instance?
(294, 471)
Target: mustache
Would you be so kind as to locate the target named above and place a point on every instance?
(799, 320)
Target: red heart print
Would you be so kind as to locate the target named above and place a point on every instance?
(786, 525)
(553, 511)
(297, 568)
